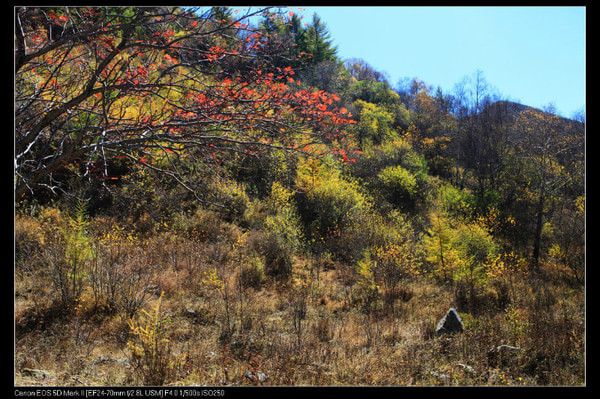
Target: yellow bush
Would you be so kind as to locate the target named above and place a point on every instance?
(150, 348)
(331, 203)
(29, 239)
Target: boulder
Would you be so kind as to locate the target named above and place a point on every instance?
(468, 369)
(248, 374)
(36, 373)
(441, 377)
(262, 377)
(450, 323)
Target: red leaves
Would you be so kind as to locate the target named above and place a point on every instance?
(142, 71)
(201, 99)
(169, 59)
(254, 40)
(58, 19)
(214, 53)
(168, 34)
(38, 38)
(345, 157)
(107, 42)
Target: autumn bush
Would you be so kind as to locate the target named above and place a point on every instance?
(70, 260)
(376, 158)
(329, 206)
(375, 123)
(456, 202)
(232, 197)
(30, 239)
(393, 259)
(252, 273)
(203, 225)
(150, 346)
(398, 185)
(120, 277)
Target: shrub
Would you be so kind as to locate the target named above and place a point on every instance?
(457, 203)
(367, 293)
(252, 273)
(476, 249)
(374, 123)
(281, 235)
(438, 243)
(150, 347)
(398, 185)
(232, 197)
(29, 240)
(259, 173)
(568, 247)
(300, 289)
(394, 258)
(70, 269)
(387, 154)
(203, 225)
(329, 204)
(118, 275)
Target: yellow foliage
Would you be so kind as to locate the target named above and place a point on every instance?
(149, 346)
(211, 280)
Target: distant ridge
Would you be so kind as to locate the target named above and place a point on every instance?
(514, 109)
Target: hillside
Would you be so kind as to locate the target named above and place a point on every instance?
(210, 198)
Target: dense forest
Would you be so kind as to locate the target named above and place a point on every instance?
(211, 196)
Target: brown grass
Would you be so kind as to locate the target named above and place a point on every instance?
(312, 334)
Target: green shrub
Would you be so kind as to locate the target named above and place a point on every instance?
(329, 203)
(252, 273)
(476, 249)
(456, 202)
(395, 257)
(69, 269)
(439, 247)
(398, 185)
(259, 173)
(396, 151)
(374, 123)
(232, 197)
(282, 234)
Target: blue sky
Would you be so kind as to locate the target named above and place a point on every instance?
(535, 55)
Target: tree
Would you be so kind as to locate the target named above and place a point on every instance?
(153, 87)
(438, 246)
(481, 144)
(540, 142)
(317, 42)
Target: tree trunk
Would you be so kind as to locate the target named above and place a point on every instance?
(538, 234)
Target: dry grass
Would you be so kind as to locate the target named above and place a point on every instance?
(282, 333)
